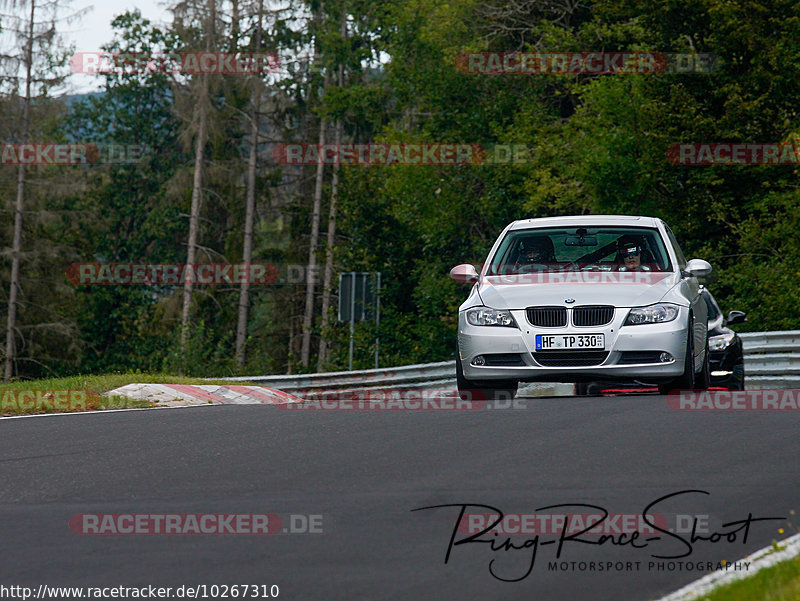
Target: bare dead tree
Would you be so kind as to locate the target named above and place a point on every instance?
(39, 35)
(250, 202)
(514, 21)
(202, 111)
(331, 239)
(311, 267)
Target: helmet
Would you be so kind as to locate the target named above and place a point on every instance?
(629, 245)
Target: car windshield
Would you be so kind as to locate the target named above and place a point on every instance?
(607, 248)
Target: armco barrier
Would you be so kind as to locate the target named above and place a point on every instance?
(772, 360)
(428, 373)
(437, 375)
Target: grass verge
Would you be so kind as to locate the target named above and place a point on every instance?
(94, 386)
(780, 582)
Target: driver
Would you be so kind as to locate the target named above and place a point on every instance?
(630, 249)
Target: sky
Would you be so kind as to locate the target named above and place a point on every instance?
(94, 29)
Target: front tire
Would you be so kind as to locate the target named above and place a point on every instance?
(703, 379)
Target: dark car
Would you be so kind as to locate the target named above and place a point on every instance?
(726, 356)
(725, 347)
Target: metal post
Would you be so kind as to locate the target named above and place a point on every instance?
(377, 316)
(365, 276)
(339, 308)
(352, 319)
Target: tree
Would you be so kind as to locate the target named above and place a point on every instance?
(126, 212)
(311, 265)
(331, 237)
(209, 28)
(41, 57)
(247, 252)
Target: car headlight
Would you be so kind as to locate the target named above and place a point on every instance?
(658, 313)
(490, 317)
(721, 342)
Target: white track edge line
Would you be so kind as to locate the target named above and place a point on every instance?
(96, 411)
(763, 558)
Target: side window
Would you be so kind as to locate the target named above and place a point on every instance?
(678, 251)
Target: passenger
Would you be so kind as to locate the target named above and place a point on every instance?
(537, 251)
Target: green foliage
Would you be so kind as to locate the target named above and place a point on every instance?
(597, 144)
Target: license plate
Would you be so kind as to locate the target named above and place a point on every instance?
(556, 342)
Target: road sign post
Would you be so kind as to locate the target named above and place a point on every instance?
(359, 297)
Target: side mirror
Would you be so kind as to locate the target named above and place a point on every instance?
(736, 317)
(464, 274)
(698, 268)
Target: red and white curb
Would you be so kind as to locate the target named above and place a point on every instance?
(763, 558)
(175, 395)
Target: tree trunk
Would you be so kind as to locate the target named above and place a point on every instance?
(328, 276)
(247, 251)
(311, 269)
(197, 191)
(194, 218)
(16, 248)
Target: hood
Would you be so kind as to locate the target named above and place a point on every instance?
(626, 289)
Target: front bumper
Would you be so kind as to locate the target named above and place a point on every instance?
(667, 337)
(727, 367)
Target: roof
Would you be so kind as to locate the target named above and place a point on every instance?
(578, 220)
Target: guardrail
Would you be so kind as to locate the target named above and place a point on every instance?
(406, 375)
(772, 360)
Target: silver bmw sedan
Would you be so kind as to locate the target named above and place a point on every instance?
(584, 298)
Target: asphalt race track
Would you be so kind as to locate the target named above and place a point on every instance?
(365, 471)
